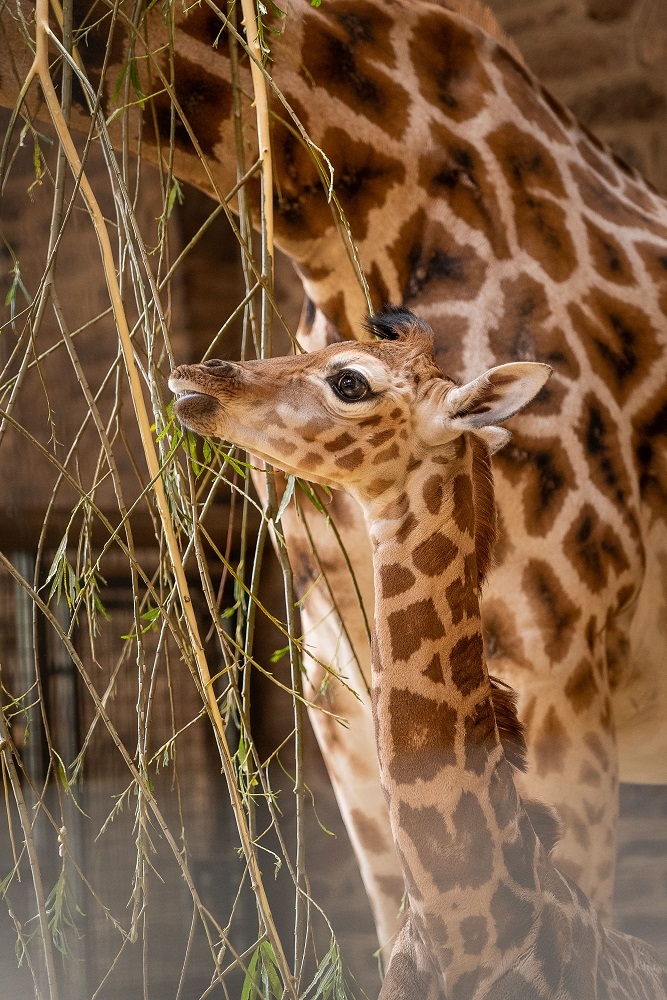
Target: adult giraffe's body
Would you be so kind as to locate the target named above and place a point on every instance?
(477, 201)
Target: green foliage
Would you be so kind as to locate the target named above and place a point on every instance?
(329, 980)
(61, 911)
(263, 975)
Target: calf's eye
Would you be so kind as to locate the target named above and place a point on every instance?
(350, 385)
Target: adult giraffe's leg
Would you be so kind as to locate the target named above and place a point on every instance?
(342, 651)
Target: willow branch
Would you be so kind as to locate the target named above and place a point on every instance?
(41, 70)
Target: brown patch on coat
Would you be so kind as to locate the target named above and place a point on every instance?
(450, 70)
(594, 549)
(555, 614)
(386, 455)
(529, 99)
(351, 461)
(456, 173)
(432, 556)
(551, 744)
(469, 848)
(475, 934)
(395, 579)
(514, 919)
(606, 204)
(411, 625)
(619, 338)
(340, 54)
(608, 256)
(501, 638)
(541, 223)
(526, 331)
(649, 442)
(466, 663)
(364, 175)
(461, 593)
(205, 100)
(343, 440)
(431, 266)
(433, 493)
(598, 432)
(371, 835)
(581, 688)
(422, 736)
(463, 511)
(543, 466)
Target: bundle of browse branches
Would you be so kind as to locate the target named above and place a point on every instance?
(107, 496)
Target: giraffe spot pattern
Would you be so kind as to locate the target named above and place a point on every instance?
(377, 486)
(406, 528)
(551, 744)
(513, 918)
(203, 24)
(364, 176)
(311, 460)
(593, 742)
(513, 985)
(343, 440)
(381, 437)
(480, 736)
(590, 148)
(466, 663)
(469, 847)
(554, 613)
(463, 510)
(396, 508)
(461, 593)
(608, 256)
(519, 854)
(502, 794)
(205, 99)
(433, 493)
(342, 59)
(594, 549)
(351, 461)
(370, 833)
(313, 429)
(395, 579)
(541, 224)
(606, 204)
(597, 431)
(619, 338)
(450, 72)
(475, 934)
(581, 688)
(526, 331)
(422, 736)
(456, 173)
(430, 264)
(386, 455)
(501, 638)
(650, 447)
(434, 670)
(432, 556)
(529, 99)
(410, 626)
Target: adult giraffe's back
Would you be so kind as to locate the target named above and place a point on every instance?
(480, 203)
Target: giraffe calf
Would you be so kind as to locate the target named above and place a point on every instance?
(489, 915)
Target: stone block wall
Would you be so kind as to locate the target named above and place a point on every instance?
(607, 61)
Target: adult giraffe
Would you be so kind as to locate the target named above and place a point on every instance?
(478, 201)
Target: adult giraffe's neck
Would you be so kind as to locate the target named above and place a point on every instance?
(455, 814)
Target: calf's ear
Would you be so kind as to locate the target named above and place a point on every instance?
(496, 395)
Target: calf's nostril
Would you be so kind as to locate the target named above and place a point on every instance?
(213, 363)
